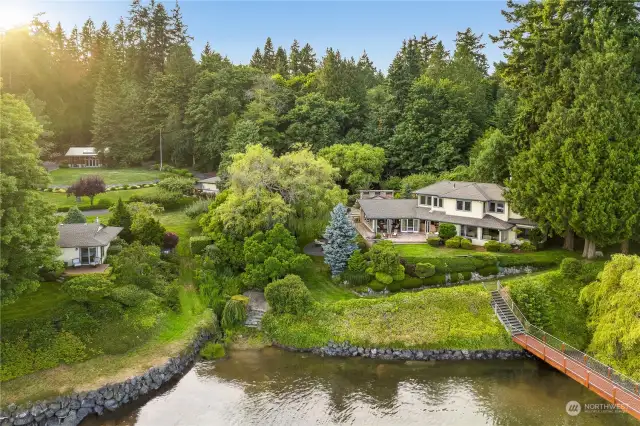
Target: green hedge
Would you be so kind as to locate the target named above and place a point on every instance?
(98, 205)
(463, 263)
(376, 286)
(199, 243)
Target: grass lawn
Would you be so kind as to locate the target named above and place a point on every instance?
(110, 176)
(443, 318)
(61, 199)
(173, 336)
(181, 224)
(47, 298)
(318, 280)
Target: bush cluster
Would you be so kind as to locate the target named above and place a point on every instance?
(165, 199)
(199, 243)
(492, 246)
(101, 204)
(505, 248)
(212, 351)
(571, 268)
(196, 209)
(434, 241)
(288, 295)
(425, 270)
(234, 312)
(527, 246)
(447, 230)
(174, 170)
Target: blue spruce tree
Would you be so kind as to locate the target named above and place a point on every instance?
(340, 235)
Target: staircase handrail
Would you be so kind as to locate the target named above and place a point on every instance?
(568, 350)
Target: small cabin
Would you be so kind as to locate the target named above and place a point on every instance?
(82, 156)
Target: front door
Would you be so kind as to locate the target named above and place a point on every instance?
(87, 255)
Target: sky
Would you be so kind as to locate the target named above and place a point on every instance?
(236, 28)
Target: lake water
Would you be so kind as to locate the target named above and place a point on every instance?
(273, 387)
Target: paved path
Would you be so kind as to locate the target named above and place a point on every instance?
(312, 249)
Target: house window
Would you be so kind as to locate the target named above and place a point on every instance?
(423, 200)
(468, 231)
(463, 205)
(409, 225)
(496, 207)
(435, 201)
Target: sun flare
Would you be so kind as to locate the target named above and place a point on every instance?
(12, 16)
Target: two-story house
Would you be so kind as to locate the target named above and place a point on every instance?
(478, 210)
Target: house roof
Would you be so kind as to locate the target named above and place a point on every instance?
(464, 190)
(523, 222)
(406, 209)
(81, 151)
(388, 208)
(86, 234)
(214, 179)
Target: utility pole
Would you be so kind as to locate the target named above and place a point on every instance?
(160, 148)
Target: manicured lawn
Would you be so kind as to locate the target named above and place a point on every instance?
(110, 176)
(173, 336)
(451, 318)
(318, 280)
(178, 222)
(47, 298)
(419, 250)
(61, 199)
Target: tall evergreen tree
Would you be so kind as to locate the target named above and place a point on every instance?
(268, 57)
(294, 58)
(256, 59)
(281, 62)
(340, 235)
(308, 62)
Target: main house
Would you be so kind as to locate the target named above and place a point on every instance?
(478, 210)
(85, 243)
(82, 156)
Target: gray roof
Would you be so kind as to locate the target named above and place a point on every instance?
(464, 190)
(81, 151)
(389, 208)
(214, 179)
(86, 234)
(407, 209)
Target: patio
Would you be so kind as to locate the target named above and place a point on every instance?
(400, 238)
(86, 269)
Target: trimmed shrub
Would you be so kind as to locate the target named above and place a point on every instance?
(170, 240)
(488, 270)
(492, 246)
(88, 287)
(425, 270)
(434, 241)
(466, 244)
(235, 311)
(453, 242)
(288, 295)
(356, 278)
(165, 199)
(376, 285)
(362, 243)
(385, 279)
(212, 351)
(399, 274)
(571, 268)
(447, 230)
(526, 246)
(435, 280)
(177, 184)
(466, 276)
(198, 244)
(357, 262)
(74, 215)
(130, 295)
(394, 286)
(411, 282)
(505, 248)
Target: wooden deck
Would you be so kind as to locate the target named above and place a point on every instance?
(85, 269)
(578, 371)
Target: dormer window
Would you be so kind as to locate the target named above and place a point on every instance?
(428, 200)
(464, 206)
(495, 207)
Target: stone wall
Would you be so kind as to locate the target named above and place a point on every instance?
(345, 349)
(71, 410)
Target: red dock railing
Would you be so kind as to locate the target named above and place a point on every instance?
(610, 384)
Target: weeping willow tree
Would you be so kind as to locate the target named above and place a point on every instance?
(614, 314)
(304, 183)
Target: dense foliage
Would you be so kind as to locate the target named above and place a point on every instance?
(613, 306)
(74, 215)
(29, 234)
(87, 186)
(288, 295)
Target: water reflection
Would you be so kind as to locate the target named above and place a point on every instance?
(274, 387)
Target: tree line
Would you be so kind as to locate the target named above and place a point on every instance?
(555, 122)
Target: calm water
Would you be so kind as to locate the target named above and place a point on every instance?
(271, 387)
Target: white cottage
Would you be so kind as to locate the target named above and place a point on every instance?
(85, 243)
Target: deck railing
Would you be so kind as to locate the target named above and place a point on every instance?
(569, 351)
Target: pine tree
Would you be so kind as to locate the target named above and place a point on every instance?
(268, 57)
(207, 50)
(86, 40)
(307, 59)
(468, 43)
(426, 45)
(294, 58)
(256, 59)
(121, 216)
(340, 235)
(282, 65)
(74, 215)
(178, 31)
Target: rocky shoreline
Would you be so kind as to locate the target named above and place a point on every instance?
(345, 349)
(72, 409)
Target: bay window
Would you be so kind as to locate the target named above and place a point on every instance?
(495, 207)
